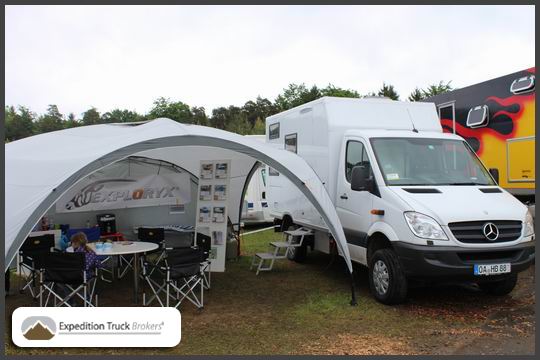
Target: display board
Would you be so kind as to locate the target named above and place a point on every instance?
(212, 207)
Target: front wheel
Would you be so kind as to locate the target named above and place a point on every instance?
(387, 280)
(500, 287)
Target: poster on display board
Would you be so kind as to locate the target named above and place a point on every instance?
(214, 182)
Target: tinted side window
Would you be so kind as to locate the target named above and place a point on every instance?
(355, 156)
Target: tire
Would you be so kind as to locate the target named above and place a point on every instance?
(297, 254)
(500, 287)
(385, 261)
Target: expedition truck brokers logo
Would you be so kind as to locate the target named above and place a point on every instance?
(38, 328)
(92, 193)
(102, 327)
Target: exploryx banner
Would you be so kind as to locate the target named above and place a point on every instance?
(93, 194)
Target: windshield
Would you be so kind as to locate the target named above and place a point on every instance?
(413, 161)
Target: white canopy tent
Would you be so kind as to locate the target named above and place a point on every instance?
(40, 169)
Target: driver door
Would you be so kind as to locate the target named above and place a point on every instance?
(354, 207)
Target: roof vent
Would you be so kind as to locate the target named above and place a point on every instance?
(422, 190)
(376, 97)
(490, 190)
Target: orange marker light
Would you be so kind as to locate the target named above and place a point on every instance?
(377, 212)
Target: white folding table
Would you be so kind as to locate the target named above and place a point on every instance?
(123, 248)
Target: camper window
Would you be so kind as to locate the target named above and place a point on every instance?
(272, 172)
(478, 116)
(290, 143)
(273, 131)
(522, 85)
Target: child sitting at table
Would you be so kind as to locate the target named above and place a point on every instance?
(79, 243)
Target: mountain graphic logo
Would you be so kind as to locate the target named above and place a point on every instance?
(38, 328)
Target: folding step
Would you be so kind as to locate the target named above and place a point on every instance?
(283, 244)
(299, 232)
(265, 256)
(293, 239)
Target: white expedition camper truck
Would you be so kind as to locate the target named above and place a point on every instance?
(415, 204)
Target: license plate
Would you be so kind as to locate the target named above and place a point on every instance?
(491, 269)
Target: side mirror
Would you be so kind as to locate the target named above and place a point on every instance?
(495, 173)
(360, 180)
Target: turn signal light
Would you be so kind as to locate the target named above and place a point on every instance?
(377, 212)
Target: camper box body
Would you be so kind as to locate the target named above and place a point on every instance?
(407, 169)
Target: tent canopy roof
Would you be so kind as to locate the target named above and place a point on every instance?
(39, 169)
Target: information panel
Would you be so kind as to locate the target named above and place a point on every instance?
(212, 207)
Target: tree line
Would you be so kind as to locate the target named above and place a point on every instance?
(21, 122)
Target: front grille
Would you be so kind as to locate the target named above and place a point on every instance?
(472, 232)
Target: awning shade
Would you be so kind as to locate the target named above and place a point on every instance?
(41, 168)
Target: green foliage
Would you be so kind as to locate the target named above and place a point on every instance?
(198, 116)
(259, 128)
(71, 121)
(437, 89)
(177, 111)
(331, 90)
(261, 108)
(238, 123)
(91, 117)
(248, 119)
(121, 116)
(295, 95)
(19, 124)
(416, 95)
(388, 91)
(52, 120)
(222, 116)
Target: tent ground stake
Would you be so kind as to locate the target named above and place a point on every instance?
(353, 295)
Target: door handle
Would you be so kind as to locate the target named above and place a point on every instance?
(344, 197)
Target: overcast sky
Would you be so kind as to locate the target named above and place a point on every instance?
(125, 57)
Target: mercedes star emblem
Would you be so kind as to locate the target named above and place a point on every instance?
(491, 232)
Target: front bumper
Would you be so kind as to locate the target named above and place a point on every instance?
(457, 263)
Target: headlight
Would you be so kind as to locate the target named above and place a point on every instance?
(424, 226)
(529, 224)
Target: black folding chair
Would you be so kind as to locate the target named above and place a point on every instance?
(66, 270)
(204, 242)
(156, 236)
(29, 251)
(180, 274)
(178, 240)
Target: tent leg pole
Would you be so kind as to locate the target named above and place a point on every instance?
(353, 294)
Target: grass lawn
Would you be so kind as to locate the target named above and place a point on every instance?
(304, 309)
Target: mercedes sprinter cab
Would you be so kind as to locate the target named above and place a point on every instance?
(415, 203)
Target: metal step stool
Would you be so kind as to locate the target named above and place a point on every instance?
(293, 238)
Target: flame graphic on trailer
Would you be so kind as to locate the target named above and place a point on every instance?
(496, 117)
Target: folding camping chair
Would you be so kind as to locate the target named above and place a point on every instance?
(66, 269)
(156, 236)
(204, 242)
(181, 273)
(28, 253)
